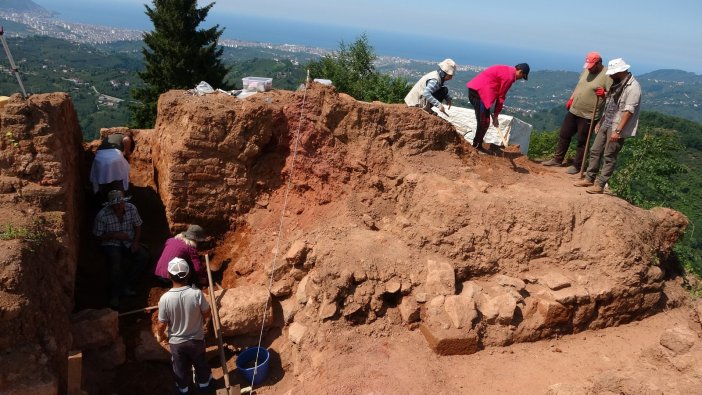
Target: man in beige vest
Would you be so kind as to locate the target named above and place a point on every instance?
(593, 83)
(430, 91)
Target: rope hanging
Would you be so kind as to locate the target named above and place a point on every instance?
(280, 226)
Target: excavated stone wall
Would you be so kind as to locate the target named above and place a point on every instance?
(40, 200)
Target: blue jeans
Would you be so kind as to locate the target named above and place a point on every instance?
(125, 266)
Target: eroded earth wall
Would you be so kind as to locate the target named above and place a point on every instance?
(40, 197)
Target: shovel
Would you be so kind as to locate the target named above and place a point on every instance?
(228, 388)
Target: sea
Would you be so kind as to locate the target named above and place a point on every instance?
(463, 50)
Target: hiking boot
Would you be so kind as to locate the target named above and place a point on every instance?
(551, 162)
(595, 189)
(572, 170)
(584, 183)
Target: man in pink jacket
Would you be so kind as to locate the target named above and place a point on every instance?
(489, 88)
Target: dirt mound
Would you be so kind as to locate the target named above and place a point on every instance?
(386, 237)
(382, 199)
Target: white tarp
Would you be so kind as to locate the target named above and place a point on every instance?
(515, 130)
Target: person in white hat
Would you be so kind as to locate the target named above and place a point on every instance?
(182, 311)
(430, 91)
(619, 122)
(118, 226)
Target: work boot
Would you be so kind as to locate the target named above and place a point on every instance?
(584, 183)
(572, 170)
(551, 162)
(595, 189)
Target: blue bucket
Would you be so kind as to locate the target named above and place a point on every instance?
(245, 364)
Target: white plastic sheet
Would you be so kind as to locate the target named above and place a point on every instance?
(514, 130)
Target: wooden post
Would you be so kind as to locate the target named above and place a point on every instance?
(75, 371)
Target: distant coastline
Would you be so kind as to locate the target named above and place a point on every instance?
(326, 36)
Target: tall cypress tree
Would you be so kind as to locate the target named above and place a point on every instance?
(177, 56)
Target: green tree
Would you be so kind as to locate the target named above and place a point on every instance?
(352, 71)
(179, 55)
(649, 164)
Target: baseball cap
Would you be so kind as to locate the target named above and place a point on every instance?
(178, 267)
(524, 67)
(591, 58)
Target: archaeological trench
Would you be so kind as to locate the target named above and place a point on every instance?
(339, 213)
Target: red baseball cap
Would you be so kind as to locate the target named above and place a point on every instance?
(592, 58)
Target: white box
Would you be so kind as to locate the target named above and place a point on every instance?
(260, 84)
(323, 81)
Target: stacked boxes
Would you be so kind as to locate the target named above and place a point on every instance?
(257, 84)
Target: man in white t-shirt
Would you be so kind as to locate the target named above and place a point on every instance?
(183, 311)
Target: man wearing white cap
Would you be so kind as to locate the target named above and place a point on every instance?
(183, 311)
(620, 120)
(582, 105)
(430, 91)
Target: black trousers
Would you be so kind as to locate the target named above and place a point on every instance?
(482, 117)
(572, 125)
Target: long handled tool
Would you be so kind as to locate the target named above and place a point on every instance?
(583, 165)
(12, 62)
(228, 389)
(144, 310)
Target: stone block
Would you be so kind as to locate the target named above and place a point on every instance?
(507, 281)
(679, 339)
(450, 341)
(297, 253)
(92, 329)
(296, 332)
(242, 311)
(151, 350)
(108, 357)
(555, 281)
(409, 310)
(461, 311)
(441, 279)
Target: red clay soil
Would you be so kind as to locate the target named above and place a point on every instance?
(351, 207)
(374, 192)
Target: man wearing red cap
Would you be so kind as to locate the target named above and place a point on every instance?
(593, 82)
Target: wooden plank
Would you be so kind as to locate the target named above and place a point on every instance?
(75, 372)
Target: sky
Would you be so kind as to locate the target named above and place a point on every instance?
(653, 34)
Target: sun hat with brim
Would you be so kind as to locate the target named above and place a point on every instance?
(448, 66)
(195, 232)
(178, 267)
(617, 66)
(115, 197)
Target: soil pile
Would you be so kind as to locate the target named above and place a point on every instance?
(387, 243)
(372, 217)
